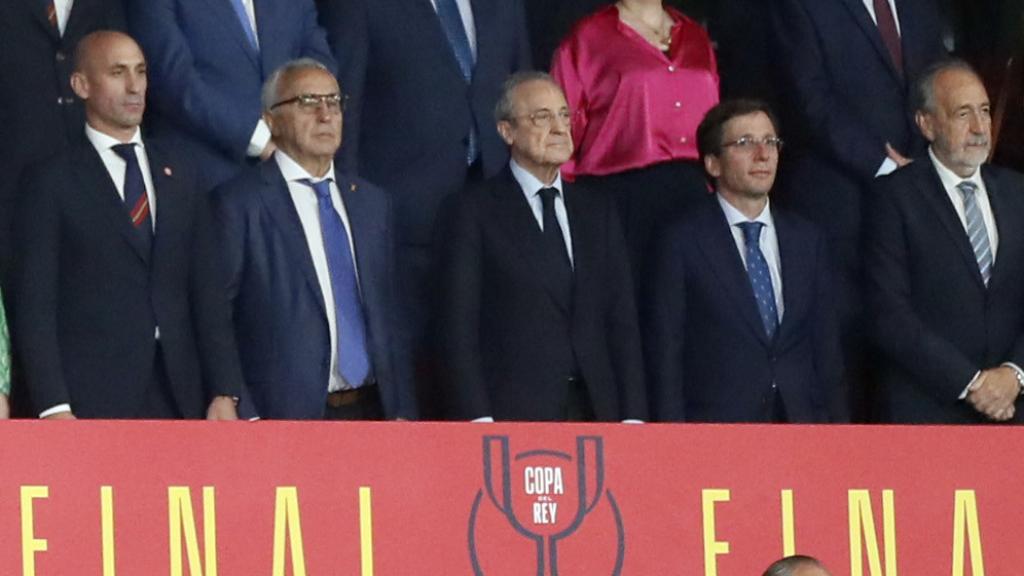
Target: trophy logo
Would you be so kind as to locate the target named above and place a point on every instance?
(545, 512)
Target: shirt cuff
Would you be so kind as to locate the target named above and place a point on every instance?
(59, 408)
(483, 419)
(258, 140)
(888, 167)
(632, 421)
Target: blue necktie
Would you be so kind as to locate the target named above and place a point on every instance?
(353, 360)
(451, 21)
(135, 199)
(760, 276)
(243, 19)
(976, 230)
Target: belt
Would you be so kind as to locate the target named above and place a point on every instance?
(351, 396)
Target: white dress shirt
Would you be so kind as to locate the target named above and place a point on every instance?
(308, 207)
(261, 134)
(949, 182)
(63, 8)
(531, 187)
(768, 241)
(466, 11)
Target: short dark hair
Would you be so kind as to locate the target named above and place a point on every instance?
(709, 133)
(923, 95)
(787, 565)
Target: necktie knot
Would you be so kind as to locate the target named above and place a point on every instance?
(322, 188)
(751, 232)
(967, 189)
(126, 151)
(547, 196)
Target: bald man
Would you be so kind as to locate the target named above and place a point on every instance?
(797, 566)
(114, 314)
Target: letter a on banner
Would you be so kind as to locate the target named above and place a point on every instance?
(965, 517)
(862, 530)
(286, 521)
(181, 518)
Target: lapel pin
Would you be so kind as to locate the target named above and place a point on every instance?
(168, 171)
(352, 187)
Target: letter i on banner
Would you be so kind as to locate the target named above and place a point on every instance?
(712, 547)
(29, 543)
(862, 529)
(788, 525)
(107, 529)
(965, 517)
(182, 520)
(366, 529)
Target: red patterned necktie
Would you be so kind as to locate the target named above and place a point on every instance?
(51, 15)
(890, 35)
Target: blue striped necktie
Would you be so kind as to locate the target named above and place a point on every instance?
(760, 276)
(455, 31)
(977, 232)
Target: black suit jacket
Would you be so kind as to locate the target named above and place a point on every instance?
(410, 110)
(709, 356)
(934, 320)
(89, 299)
(507, 340)
(38, 111)
(279, 316)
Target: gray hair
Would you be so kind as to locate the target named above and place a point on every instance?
(269, 94)
(923, 95)
(789, 564)
(504, 109)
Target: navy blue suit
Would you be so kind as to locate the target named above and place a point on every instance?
(279, 313)
(89, 296)
(934, 320)
(205, 77)
(708, 354)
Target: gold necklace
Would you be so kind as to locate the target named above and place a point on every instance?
(660, 35)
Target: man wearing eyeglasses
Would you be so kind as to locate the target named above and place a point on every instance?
(309, 267)
(535, 312)
(740, 325)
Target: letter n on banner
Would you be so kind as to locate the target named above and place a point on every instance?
(863, 537)
(181, 518)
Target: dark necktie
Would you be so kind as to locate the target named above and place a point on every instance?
(455, 31)
(554, 242)
(353, 359)
(890, 35)
(760, 276)
(977, 232)
(135, 199)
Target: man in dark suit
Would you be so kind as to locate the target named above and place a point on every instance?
(38, 111)
(536, 317)
(208, 60)
(313, 323)
(845, 71)
(116, 310)
(740, 325)
(423, 76)
(945, 266)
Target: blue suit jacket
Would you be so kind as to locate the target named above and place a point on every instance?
(709, 357)
(410, 111)
(279, 316)
(205, 77)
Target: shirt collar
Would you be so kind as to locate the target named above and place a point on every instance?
(292, 171)
(530, 184)
(949, 178)
(734, 216)
(102, 141)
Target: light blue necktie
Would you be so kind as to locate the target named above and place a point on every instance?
(451, 21)
(243, 19)
(353, 360)
(760, 276)
(976, 230)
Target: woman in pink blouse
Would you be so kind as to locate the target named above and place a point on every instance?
(639, 77)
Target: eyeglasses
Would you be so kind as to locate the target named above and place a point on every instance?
(310, 102)
(749, 144)
(545, 118)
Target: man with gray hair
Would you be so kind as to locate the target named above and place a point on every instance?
(308, 260)
(797, 565)
(536, 316)
(944, 264)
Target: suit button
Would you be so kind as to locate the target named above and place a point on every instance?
(60, 101)
(61, 57)
(671, 68)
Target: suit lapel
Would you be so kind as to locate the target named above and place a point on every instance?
(935, 195)
(1010, 245)
(96, 183)
(433, 26)
(171, 199)
(39, 8)
(521, 231)
(366, 235)
(723, 258)
(863, 17)
(795, 261)
(226, 12)
(285, 218)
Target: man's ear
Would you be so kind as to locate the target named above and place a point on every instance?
(712, 166)
(80, 85)
(269, 119)
(505, 130)
(925, 124)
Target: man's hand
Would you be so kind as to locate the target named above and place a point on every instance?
(268, 151)
(61, 416)
(5, 407)
(995, 393)
(222, 408)
(896, 157)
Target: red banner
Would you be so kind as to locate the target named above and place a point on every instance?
(412, 499)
